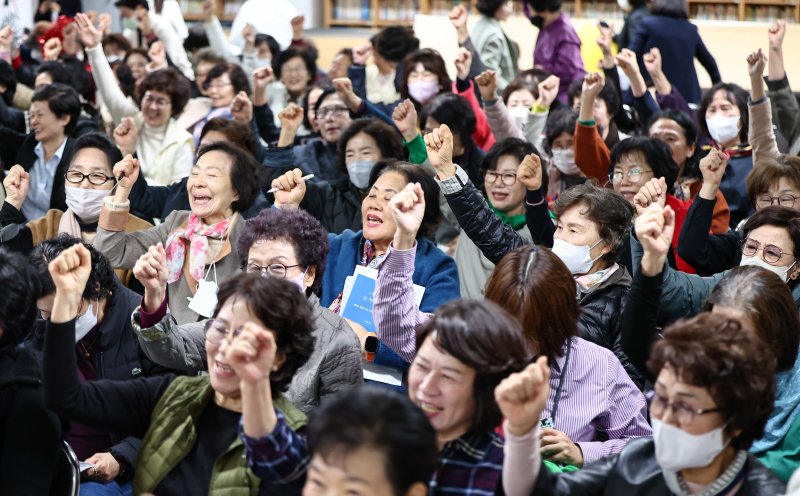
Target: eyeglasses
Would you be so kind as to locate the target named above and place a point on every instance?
(154, 101)
(785, 200)
(332, 111)
(682, 412)
(634, 175)
(96, 178)
(217, 333)
(771, 253)
(508, 179)
(218, 85)
(274, 269)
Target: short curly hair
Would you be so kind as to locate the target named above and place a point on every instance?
(395, 42)
(298, 227)
(22, 286)
(482, 336)
(717, 353)
(101, 278)
(281, 308)
(489, 7)
(166, 81)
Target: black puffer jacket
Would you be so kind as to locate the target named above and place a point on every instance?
(601, 319)
(120, 357)
(634, 472)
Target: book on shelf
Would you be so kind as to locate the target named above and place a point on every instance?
(717, 12)
(768, 13)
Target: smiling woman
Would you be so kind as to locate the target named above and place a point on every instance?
(198, 242)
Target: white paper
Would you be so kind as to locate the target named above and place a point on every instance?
(85, 466)
(379, 373)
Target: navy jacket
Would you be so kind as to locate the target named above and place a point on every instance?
(679, 43)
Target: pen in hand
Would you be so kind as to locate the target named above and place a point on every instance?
(304, 178)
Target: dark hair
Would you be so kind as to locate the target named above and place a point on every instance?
(395, 42)
(687, 123)
(389, 141)
(545, 5)
(776, 216)
(518, 85)
(167, 81)
(281, 308)
(137, 51)
(21, 288)
(81, 78)
(305, 233)
(100, 142)
(237, 133)
(432, 61)
(63, 101)
(533, 284)
(515, 147)
(768, 171)
(304, 102)
(605, 207)
(235, 73)
(291, 53)
(101, 278)
(125, 78)
(58, 73)
(489, 7)
(380, 420)
(245, 173)
(769, 305)
(656, 154)
(735, 95)
(8, 79)
(670, 8)
(326, 92)
(730, 361)
(414, 174)
(453, 110)
(484, 337)
(272, 44)
(558, 122)
(608, 94)
(119, 40)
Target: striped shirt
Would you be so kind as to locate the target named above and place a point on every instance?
(598, 401)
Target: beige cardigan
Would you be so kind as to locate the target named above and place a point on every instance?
(124, 249)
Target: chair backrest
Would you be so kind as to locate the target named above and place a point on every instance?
(67, 479)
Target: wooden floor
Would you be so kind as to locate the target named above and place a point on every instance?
(729, 42)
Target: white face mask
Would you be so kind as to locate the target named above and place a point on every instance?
(723, 128)
(577, 258)
(782, 272)
(422, 91)
(359, 172)
(677, 450)
(299, 280)
(564, 160)
(520, 115)
(85, 203)
(85, 323)
(624, 5)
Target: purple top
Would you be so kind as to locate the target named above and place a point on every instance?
(558, 50)
(598, 396)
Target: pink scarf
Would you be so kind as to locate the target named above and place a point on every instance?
(197, 233)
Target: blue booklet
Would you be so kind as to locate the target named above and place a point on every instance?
(358, 306)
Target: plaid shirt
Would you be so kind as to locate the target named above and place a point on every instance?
(470, 465)
(279, 457)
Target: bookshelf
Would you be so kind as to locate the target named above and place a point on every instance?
(226, 9)
(380, 13)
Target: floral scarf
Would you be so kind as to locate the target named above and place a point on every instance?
(197, 234)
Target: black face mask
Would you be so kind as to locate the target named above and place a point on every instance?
(537, 21)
